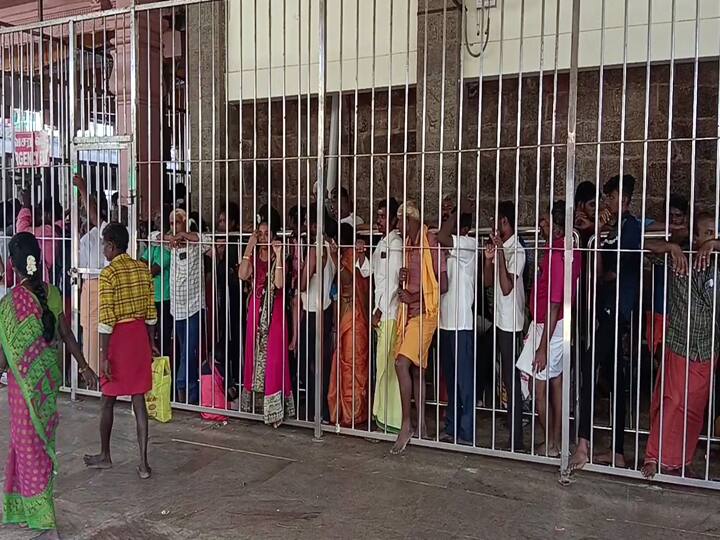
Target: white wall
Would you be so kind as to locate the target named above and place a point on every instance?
(591, 35)
(352, 62)
(258, 68)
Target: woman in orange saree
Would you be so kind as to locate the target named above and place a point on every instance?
(349, 376)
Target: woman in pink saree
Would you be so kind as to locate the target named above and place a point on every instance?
(32, 325)
(266, 372)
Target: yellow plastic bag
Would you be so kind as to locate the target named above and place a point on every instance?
(158, 399)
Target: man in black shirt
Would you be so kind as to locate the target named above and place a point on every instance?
(618, 288)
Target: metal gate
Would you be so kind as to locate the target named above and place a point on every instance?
(485, 120)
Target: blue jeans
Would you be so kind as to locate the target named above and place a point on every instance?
(460, 398)
(187, 339)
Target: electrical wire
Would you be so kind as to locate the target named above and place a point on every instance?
(486, 25)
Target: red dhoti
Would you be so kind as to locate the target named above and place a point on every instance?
(130, 359)
(674, 412)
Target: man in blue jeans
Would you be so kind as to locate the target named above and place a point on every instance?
(187, 294)
(456, 339)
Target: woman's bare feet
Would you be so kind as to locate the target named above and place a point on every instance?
(98, 461)
(402, 441)
(580, 456)
(649, 469)
(552, 451)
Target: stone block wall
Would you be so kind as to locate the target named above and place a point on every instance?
(651, 172)
(277, 142)
(501, 159)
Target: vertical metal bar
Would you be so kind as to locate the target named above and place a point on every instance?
(132, 179)
(691, 231)
(298, 307)
(320, 196)
(74, 215)
(336, 131)
(441, 161)
(286, 246)
(229, 245)
(668, 157)
(711, 389)
(456, 246)
(569, 213)
(213, 214)
(240, 330)
(646, 127)
(308, 148)
(538, 178)
(553, 139)
(618, 358)
(387, 194)
(478, 258)
(423, 149)
(253, 282)
(596, 253)
(498, 144)
(510, 392)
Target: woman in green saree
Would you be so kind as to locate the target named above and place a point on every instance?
(32, 325)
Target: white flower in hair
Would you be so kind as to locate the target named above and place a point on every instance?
(30, 265)
(258, 219)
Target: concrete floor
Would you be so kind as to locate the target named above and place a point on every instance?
(245, 480)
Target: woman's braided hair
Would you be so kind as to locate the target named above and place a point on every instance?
(24, 248)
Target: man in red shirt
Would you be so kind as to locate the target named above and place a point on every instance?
(542, 355)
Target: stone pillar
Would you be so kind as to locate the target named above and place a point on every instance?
(207, 97)
(146, 134)
(430, 85)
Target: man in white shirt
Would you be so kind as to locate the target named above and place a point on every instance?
(187, 297)
(387, 259)
(92, 261)
(504, 267)
(456, 338)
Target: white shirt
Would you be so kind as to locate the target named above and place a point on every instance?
(387, 259)
(352, 219)
(91, 251)
(510, 309)
(309, 297)
(187, 279)
(456, 305)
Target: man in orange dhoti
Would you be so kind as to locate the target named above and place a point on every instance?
(422, 280)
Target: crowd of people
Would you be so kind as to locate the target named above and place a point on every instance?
(391, 298)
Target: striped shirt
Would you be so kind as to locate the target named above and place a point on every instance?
(187, 278)
(126, 293)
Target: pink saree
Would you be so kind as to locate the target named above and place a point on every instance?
(266, 373)
(33, 381)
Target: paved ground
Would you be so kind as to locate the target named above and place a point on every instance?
(244, 480)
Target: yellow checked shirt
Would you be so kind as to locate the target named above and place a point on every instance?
(126, 294)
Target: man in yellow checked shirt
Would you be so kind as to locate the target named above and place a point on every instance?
(423, 279)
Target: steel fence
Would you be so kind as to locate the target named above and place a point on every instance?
(253, 148)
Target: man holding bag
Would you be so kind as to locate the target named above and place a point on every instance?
(126, 326)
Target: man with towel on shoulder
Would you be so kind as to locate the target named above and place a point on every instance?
(423, 278)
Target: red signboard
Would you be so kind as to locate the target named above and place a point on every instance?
(32, 149)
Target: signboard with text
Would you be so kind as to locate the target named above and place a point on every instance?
(32, 149)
